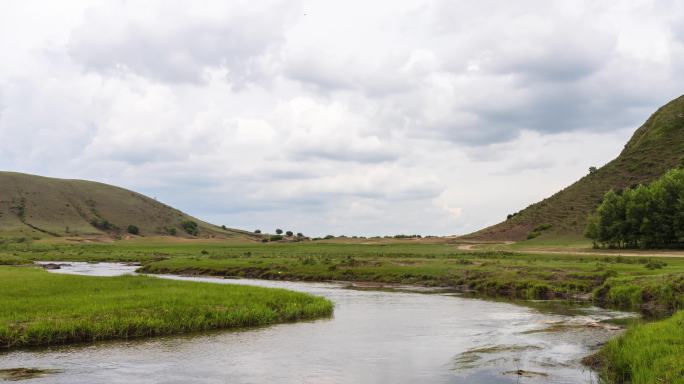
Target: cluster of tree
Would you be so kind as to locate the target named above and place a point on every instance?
(102, 224)
(288, 233)
(190, 227)
(648, 216)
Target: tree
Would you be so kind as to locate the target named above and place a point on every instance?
(190, 227)
(257, 231)
(592, 170)
(133, 229)
(279, 231)
(646, 216)
(299, 234)
(289, 233)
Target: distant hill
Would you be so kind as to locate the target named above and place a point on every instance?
(39, 206)
(655, 147)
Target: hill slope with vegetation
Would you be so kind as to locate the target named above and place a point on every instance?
(656, 147)
(37, 207)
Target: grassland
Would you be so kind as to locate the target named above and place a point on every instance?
(39, 308)
(647, 354)
(653, 286)
(650, 285)
(42, 207)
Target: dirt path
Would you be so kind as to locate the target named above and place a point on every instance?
(470, 246)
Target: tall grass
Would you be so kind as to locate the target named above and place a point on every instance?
(39, 308)
(647, 354)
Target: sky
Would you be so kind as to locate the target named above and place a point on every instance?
(333, 117)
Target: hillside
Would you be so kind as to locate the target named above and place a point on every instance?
(655, 147)
(36, 206)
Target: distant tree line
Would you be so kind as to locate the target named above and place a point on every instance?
(648, 216)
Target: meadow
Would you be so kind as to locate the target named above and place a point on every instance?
(40, 308)
(653, 286)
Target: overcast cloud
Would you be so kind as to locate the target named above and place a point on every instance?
(354, 117)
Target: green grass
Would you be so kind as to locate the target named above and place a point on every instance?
(652, 286)
(647, 354)
(490, 273)
(40, 308)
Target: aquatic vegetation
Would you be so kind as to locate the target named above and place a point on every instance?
(17, 374)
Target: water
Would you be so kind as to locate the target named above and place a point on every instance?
(374, 337)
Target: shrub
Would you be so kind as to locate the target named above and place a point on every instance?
(289, 234)
(655, 264)
(299, 234)
(257, 231)
(190, 227)
(279, 231)
(532, 235)
(170, 231)
(542, 227)
(102, 224)
(276, 238)
(133, 229)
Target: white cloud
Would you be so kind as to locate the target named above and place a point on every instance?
(415, 116)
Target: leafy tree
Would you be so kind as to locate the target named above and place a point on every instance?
(133, 229)
(190, 227)
(647, 216)
(279, 231)
(289, 234)
(299, 234)
(257, 231)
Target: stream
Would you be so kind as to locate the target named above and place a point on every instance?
(402, 335)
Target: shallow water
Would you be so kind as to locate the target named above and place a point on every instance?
(374, 337)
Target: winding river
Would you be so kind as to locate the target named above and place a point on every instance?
(375, 336)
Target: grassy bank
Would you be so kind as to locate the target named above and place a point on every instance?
(646, 354)
(39, 308)
(651, 285)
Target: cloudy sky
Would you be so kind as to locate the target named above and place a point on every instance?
(341, 117)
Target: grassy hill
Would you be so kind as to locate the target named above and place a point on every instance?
(655, 147)
(38, 207)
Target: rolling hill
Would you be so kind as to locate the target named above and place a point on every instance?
(655, 147)
(37, 206)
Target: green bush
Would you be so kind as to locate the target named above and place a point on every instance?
(133, 229)
(190, 227)
(102, 224)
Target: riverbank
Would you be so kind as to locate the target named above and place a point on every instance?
(38, 308)
(646, 353)
(652, 286)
